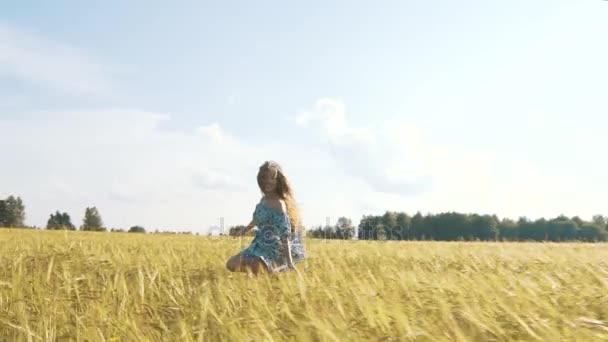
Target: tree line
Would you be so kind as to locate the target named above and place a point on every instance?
(449, 226)
(12, 215)
(453, 226)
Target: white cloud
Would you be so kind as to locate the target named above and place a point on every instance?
(123, 163)
(379, 156)
(30, 57)
(330, 114)
(408, 173)
(213, 132)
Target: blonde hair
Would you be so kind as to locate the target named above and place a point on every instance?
(283, 190)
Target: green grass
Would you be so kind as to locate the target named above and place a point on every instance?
(115, 287)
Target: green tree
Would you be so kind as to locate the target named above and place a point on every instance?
(403, 223)
(508, 230)
(391, 226)
(137, 229)
(417, 228)
(3, 214)
(484, 227)
(13, 212)
(536, 230)
(569, 230)
(561, 228)
(579, 222)
(389, 223)
(92, 220)
(592, 232)
(379, 232)
(316, 233)
(344, 228)
(366, 227)
(451, 226)
(599, 220)
(60, 221)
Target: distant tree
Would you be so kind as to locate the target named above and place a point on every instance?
(329, 232)
(379, 232)
(561, 228)
(508, 230)
(366, 226)
(92, 220)
(60, 221)
(592, 232)
(579, 222)
(315, 233)
(417, 228)
(451, 226)
(569, 230)
(235, 230)
(19, 212)
(389, 225)
(3, 214)
(344, 229)
(402, 232)
(137, 229)
(12, 212)
(536, 230)
(599, 220)
(484, 227)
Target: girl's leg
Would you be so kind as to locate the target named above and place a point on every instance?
(256, 265)
(234, 263)
(245, 263)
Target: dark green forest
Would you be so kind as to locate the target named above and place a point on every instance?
(452, 226)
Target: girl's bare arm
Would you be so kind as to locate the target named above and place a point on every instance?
(287, 249)
(248, 227)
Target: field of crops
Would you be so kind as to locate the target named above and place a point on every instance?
(61, 286)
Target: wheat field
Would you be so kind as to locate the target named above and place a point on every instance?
(78, 286)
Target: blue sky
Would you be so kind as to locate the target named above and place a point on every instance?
(160, 114)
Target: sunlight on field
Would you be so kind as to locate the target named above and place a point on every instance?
(116, 287)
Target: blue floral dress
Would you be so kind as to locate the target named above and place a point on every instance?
(273, 226)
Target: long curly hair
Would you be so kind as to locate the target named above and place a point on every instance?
(283, 190)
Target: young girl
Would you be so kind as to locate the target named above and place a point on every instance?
(277, 245)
